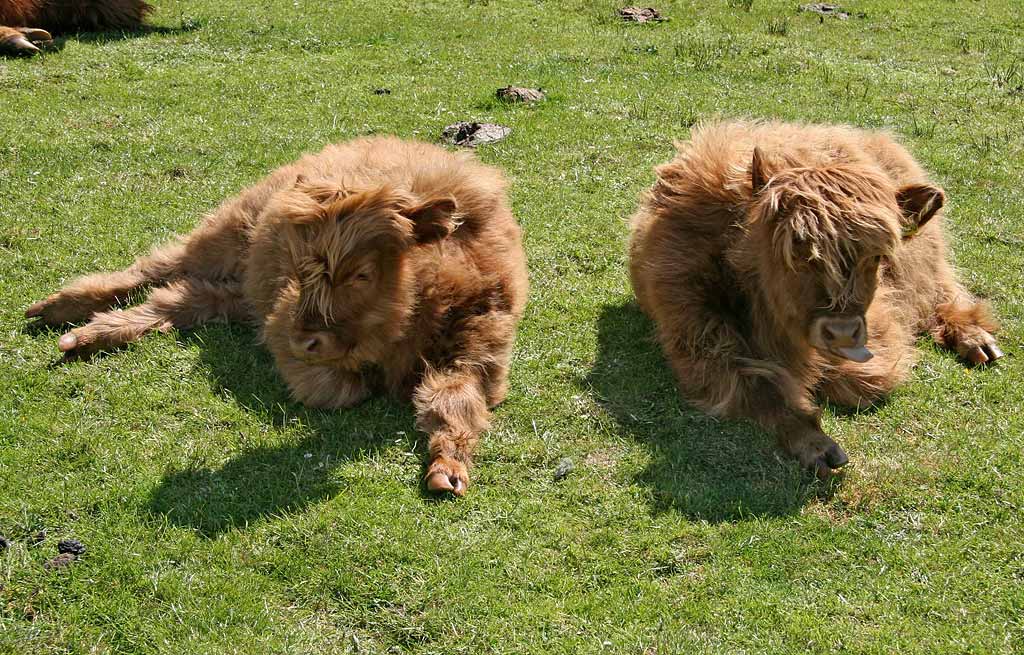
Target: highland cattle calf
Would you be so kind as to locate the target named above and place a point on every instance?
(24, 23)
(781, 262)
(378, 264)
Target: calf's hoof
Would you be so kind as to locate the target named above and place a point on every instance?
(82, 343)
(818, 453)
(447, 475)
(61, 309)
(979, 348)
(24, 41)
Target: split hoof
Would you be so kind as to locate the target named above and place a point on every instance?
(446, 475)
(985, 354)
(817, 453)
(25, 41)
(62, 308)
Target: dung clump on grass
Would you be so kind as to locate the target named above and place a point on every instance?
(519, 94)
(73, 546)
(60, 561)
(471, 135)
(641, 15)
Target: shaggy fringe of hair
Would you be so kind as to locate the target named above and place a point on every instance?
(824, 220)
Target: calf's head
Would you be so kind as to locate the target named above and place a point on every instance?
(348, 255)
(822, 235)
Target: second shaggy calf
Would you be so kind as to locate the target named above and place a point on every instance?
(377, 265)
(780, 262)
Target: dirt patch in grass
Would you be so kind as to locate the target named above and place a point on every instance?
(471, 135)
(825, 9)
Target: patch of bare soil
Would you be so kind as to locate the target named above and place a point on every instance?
(825, 9)
(471, 135)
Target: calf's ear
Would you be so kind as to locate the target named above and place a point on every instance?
(758, 175)
(322, 191)
(918, 202)
(433, 218)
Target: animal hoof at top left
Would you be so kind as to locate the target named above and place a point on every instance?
(24, 41)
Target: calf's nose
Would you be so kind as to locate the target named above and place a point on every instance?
(844, 332)
(307, 344)
(846, 336)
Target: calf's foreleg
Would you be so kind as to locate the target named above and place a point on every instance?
(451, 407)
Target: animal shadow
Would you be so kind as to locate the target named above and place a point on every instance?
(272, 480)
(709, 469)
(61, 39)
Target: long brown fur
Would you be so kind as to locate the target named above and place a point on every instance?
(23, 23)
(754, 231)
(377, 264)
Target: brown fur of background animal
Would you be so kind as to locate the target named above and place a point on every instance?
(24, 24)
(781, 261)
(377, 264)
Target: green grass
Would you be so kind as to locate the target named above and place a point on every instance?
(220, 517)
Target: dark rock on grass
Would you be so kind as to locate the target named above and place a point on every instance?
(39, 537)
(641, 15)
(564, 468)
(825, 9)
(60, 561)
(4, 543)
(472, 135)
(382, 91)
(73, 546)
(519, 94)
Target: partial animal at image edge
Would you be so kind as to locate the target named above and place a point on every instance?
(25, 25)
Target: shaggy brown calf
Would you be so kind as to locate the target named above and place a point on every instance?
(376, 264)
(23, 23)
(782, 261)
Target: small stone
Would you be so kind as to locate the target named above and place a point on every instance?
(382, 91)
(471, 135)
(60, 561)
(519, 94)
(564, 468)
(641, 15)
(73, 546)
(4, 543)
(39, 537)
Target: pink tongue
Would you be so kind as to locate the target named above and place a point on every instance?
(859, 354)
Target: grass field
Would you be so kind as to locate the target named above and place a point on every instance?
(219, 517)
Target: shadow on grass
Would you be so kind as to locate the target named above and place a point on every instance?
(61, 38)
(268, 481)
(708, 469)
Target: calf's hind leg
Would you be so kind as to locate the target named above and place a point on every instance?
(183, 303)
(97, 292)
(210, 252)
(965, 325)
